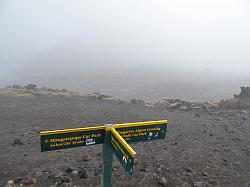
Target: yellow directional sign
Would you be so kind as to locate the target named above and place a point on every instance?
(124, 153)
(142, 131)
(68, 138)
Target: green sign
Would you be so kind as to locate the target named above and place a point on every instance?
(124, 153)
(69, 138)
(143, 131)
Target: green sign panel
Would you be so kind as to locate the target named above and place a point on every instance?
(144, 131)
(124, 153)
(63, 139)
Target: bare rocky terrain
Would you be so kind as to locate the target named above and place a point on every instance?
(207, 144)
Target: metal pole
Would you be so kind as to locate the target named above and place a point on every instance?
(107, 157)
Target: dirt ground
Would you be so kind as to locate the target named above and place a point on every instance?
(201, 149)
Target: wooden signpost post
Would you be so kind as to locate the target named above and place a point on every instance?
(114, 137)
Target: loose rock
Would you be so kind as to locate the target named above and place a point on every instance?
(163, 181)
(199, 184)
(82, 173)
(159, 170)
(17, 142)
(188, 169)
(28, 181)
(197, 115)
(144, 169)
(205, 174)
(86, 157)
(225, 160)
(68, 170)
(137, 101)
(17, 180)
(75, 173)
(10, 183)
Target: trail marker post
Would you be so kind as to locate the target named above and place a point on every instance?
(114, 137)
(107, 158)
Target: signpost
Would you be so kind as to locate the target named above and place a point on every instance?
(115, 139)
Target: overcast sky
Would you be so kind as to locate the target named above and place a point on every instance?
(193, 34)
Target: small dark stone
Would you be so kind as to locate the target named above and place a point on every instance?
(82, 173)
(216, 149)
(197, 115)
(137, 101)
(188, 169)
(17, 180)
(17, 142)
(65, 179)
(68, 170)
(174, 143)
(144, 169)
(227, 164)
(51, 176)
(243, 149)
(238, 140)
(205, 174)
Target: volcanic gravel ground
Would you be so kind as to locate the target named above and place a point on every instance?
(201, 148)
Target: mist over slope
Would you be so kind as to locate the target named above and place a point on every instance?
(94, 69)
(144, 82)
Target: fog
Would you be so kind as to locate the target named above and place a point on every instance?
(132, 49)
